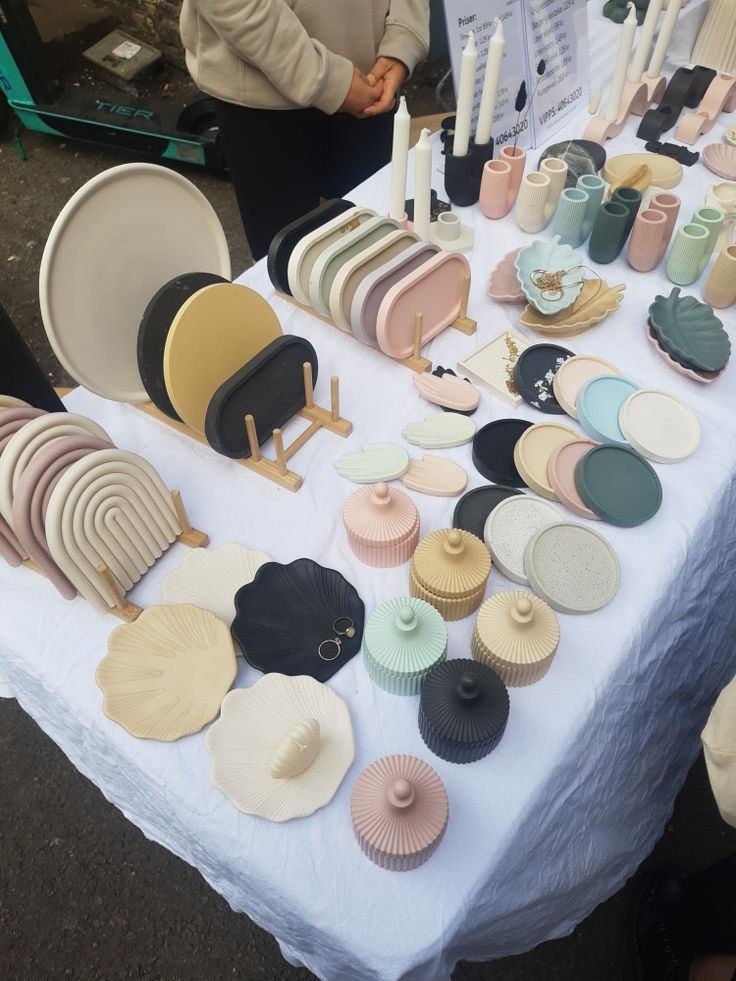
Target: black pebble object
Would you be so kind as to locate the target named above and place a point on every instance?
(463, 710)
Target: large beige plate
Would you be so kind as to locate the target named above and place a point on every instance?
(215, 333)
(166, 674)
(123, 235)
(666, 172)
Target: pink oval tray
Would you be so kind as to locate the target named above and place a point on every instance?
(435, 290)
(369, 295)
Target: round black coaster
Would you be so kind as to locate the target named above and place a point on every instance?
(534, 372)
(154, 328)
(463, 710)
(473, 508)
(493, 451)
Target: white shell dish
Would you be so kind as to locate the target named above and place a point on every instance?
(510, 527)
(210, 578)
(117, 240)
(281, 748)
(165, 674)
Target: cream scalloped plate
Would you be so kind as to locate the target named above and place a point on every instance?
(210, 578)
(165, 675)
(117, 240)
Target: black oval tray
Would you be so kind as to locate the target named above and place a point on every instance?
(283, 242)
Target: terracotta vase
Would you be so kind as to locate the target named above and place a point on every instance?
(648, 240)
(500, 182)
(720, 287)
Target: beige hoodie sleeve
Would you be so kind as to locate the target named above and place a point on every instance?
(407, 32)
(270, 36)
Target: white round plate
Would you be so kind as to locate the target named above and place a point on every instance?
(659, 425)
(572, 568)
(509, 528)
(210, 578)
(117, 240)
(30, 438)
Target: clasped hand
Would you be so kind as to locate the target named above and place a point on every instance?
(375, 93)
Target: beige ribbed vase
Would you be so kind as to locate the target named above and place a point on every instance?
(720, 287)
(539, 195)
(716, 43)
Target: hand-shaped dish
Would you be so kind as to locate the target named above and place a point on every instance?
(436, 476)
(448, 391)
(440, 430)
(375, 462)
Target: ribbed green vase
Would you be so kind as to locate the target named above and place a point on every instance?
(404, 639)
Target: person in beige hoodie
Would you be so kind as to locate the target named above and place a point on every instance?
(304, 93)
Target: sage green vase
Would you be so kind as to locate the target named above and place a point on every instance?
(610, 232)
(689, 254)
(630, 198)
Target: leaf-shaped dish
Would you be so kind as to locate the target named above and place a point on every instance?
(721, 159)
(284, 242)
(310, 246)
(435, 290)
(369, 295)
(285, 616)
(353, 272)
(270, 387)
(706, 377)
(504, 285)
(439, 430)
(334, 257)
(166, 674)
(550, 258)
(689, 331)
(597, 299)
(210, 577)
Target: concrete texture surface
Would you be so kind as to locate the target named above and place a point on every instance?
(83, 895)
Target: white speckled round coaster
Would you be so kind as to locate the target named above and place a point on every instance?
(572, 568)
(510, 527)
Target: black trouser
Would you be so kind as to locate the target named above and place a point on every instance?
(707, 911)
(283, 161)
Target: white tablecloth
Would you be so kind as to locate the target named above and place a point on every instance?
(556, 818)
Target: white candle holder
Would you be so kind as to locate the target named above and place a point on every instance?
(450, 235)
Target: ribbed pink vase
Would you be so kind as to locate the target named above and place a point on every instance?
(669, 204)
(400, 810)
(500, 183)
(648, 242)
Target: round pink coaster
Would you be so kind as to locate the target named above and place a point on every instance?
(561, 473)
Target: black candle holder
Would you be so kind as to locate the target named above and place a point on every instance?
(685, 90)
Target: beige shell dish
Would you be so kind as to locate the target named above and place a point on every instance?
(517, 635)
(450, 570)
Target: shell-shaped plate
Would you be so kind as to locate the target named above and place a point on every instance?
(439, 430)
(445, 571)
(284, 615)
(210, 578)
(689, 331)
(395, 837)
(550, 257)
(374, 463)
(165, 674)
(252, 727)
(721, 159)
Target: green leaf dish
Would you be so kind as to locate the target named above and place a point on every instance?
(689, 332)
(550, 258)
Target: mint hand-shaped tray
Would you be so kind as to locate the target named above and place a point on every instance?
(439, 430)
(374, 463)
(690, 332)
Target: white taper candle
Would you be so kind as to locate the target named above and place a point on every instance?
(628, 31)
(665, 36)
(422, 186)
(488, 97)
(645, 40)
(466, 93)
(399, 157)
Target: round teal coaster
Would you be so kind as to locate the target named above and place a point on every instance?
(404, 639)
(618, 485)
(598, 405)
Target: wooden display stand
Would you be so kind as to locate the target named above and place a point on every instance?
(121, 607)
(463, 323)
(277, 470)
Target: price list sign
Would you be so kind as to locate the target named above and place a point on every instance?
(553, 31)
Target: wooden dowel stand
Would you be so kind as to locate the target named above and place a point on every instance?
(464, 323)
(189, 536)
(121, 607)
(416, 362)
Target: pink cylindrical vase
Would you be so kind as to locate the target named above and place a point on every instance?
(649, 240)
(669, 205)
(495, 200)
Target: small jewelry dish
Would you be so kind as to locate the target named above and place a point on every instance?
(596, 301)
(210, 577)
(572, 568)
(550, 275)
(450, 570)
(404, 639)
(400, 811)
(382, 525)
(281, 748)
(298, 619)
(463, 710)
(618, 485)
(689, 332)
(492, 366)
(721, 159)
(517, 635)
(165, 675)
(509, 529)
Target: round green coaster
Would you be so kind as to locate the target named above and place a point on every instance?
(618, 485)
